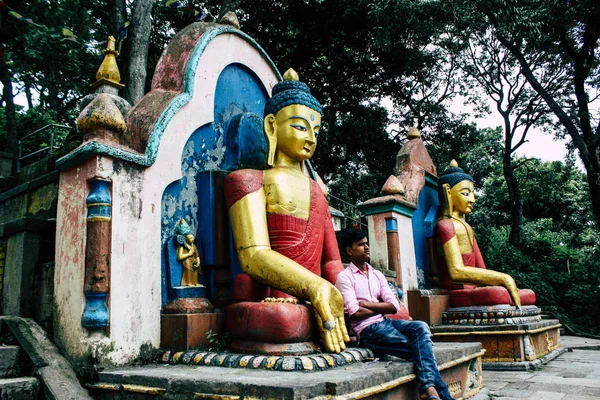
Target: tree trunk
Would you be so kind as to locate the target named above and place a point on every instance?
(592, 167)
(12, 137)
(514, 199)
(139, 40)
(118, 15)
(28, 96)
(228, 5)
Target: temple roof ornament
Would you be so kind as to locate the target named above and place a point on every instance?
(101, 119)
(413, 133)
(108, 75)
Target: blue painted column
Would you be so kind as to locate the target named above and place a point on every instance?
(97, 254)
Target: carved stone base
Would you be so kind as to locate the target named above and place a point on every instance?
(507, 343)
(188, 331)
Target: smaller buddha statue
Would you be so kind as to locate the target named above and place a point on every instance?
(187, 254)
(460, 261)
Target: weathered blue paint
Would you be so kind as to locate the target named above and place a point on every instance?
(391, 225)
(430, 220)
(95, 313)
(233, 140)
(428, 199)
(245, 143)
(90, 149)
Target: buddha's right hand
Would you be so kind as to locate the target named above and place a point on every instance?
(329, 307)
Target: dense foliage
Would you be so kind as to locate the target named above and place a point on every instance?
(560, 252)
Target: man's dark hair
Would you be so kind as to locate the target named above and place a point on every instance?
(349, 236)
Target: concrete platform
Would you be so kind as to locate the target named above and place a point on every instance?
(460, 364)
(574, 375)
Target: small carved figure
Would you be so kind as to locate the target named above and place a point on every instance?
(187, 253)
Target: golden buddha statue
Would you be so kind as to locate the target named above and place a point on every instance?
(280, 217)
(187, 254)
(461, 259)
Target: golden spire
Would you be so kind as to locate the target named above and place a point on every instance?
(413, 133)
(291, 75)
(108, 73)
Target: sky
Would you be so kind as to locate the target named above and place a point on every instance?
(538, 145)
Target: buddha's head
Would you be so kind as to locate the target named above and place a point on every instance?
(457, 192)
(189, 238)
(292, 120)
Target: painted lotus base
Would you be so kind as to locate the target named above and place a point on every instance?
(309, 362)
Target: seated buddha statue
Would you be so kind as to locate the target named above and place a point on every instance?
(283, 232)
(461, 265)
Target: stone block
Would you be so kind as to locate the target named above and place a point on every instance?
(21, 257)
(427, 307)
(188, 331)
(19, 388)
(9, 361)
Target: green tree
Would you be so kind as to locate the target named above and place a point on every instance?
(495, 71)
(560, 248)
(547, 37)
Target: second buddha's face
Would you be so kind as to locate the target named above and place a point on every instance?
(463, 197)
(189, 238)
(297, 129)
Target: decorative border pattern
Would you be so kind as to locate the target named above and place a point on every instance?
(491, 316)
(308, 363)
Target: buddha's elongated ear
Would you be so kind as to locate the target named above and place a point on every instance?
(271, 134)
(447, 200)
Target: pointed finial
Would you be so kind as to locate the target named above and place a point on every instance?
(108, 73)
(413, 133)
(392, 186)
(291, 75)
(230, 19)
(453, 164)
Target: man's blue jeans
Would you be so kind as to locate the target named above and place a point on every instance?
(410, 340)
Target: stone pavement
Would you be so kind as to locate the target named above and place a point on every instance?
(574, 375)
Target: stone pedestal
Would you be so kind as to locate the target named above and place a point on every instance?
(185, 322)
(188, 331)
(517, 346)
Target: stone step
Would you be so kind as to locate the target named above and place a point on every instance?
(459, 363)
(19, 388)
(9, 361)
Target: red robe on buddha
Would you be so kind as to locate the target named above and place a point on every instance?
(311, 243)
(470, 295)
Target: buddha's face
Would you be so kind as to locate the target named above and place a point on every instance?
(463, 197)
(189, 238)
(297, 127)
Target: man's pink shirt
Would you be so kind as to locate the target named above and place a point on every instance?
(357, 286)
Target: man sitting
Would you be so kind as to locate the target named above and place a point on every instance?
(367, 298)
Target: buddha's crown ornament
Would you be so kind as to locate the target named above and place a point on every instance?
(291, 91)
(454, 174)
